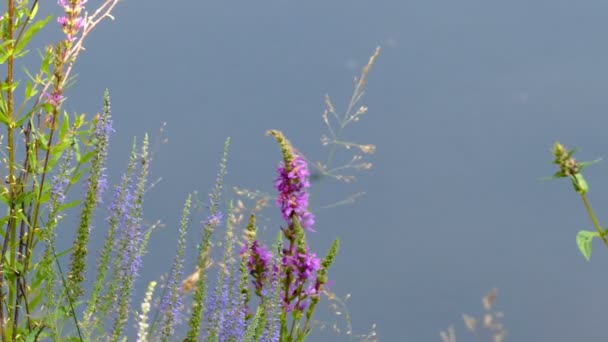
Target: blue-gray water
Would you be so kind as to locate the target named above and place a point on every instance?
(465, 101)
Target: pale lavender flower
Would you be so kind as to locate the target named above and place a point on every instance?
(172, 300)
(130, 236)
(58, 188)
(60, 183)
(169, 306)
(225, 310)
(104, 127)
(102, 185)
(273, 302)
(216, 219)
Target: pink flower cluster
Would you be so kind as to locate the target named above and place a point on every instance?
(72, 22)
(258, 264)
(304, 266)
(293, 198)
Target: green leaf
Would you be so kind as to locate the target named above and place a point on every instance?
(70, 205)
(579, 183)
(85, 159)
(34, 11)
(5, 53)
(583, 165)
(30, 91)
(583, 241)
(35, 300)
(4, 118)
(30, 32)
(46, 61)
(25, 117)
(64, 252)
(65, 125)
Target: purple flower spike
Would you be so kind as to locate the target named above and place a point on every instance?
(293, 198)
(72, 22)
(259, 265)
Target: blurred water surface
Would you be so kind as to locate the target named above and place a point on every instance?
(465, 101)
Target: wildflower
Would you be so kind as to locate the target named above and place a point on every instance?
(61, 181)
(563, 158)
(570, 167)
(103, 129)
(142, 332)
(291, 184)
(72, 22)
(216, 219)
(54, 98)
(258, 265)
(199, 292)
(304, 265)
(172, 300)
(225, 310)
(97, 182)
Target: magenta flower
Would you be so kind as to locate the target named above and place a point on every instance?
(304, 265)
(54, 98)
(72, 22)
(291, 184)
(258, 265)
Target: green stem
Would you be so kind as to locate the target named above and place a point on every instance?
(11, 227)
(594, 220)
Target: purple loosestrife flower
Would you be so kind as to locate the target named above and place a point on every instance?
(291, 184)
(258, 265)
(54, 98)
(304, 265)
(72, 22)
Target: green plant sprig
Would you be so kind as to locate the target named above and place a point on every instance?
(572, 169)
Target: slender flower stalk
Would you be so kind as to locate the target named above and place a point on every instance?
(133, 237)
(142, 332)
(572, 169)
(96, 184)
(120, 209)
(205, 246)
(47, 271)
(250, 235)
(172, 300)
(301, 279)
